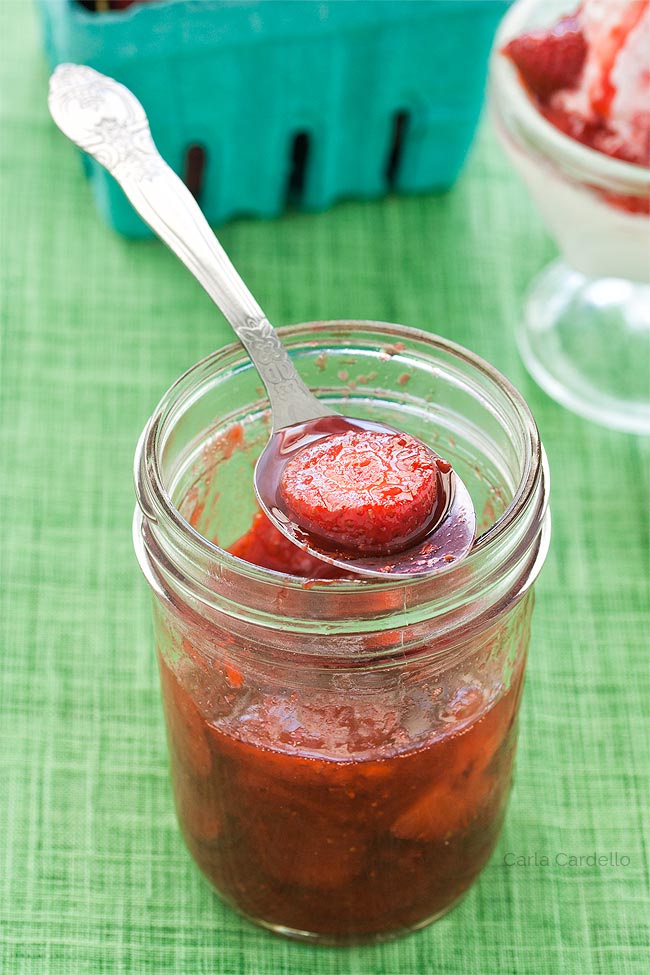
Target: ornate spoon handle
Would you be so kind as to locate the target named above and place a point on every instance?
(108, 122)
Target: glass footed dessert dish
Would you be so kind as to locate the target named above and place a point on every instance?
(570, 96)
(341, 747)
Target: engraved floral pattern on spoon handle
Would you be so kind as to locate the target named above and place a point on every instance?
(108, 122)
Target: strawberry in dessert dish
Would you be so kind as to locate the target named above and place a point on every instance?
(571, 100)
(589, 75)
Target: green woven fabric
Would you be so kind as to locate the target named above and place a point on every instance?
(94, 876)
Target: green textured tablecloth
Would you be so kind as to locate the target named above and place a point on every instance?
(94, 876)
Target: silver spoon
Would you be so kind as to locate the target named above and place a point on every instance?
(107, 121)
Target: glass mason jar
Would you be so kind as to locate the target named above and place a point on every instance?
(341, 751)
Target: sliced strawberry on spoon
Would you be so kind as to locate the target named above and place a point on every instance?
(365, 491)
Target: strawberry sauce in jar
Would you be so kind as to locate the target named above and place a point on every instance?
(341, 749)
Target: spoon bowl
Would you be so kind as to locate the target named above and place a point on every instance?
(447, 536)
(107, 121)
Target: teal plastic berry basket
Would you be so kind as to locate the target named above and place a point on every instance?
(261, 103)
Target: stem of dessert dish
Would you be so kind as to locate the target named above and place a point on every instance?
(107, 121)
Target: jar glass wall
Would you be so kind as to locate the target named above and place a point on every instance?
(341, 751)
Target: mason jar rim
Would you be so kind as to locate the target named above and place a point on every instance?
(581, 160)
(164, 508)
(155, 505)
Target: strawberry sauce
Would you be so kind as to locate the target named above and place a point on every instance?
(350, 816)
